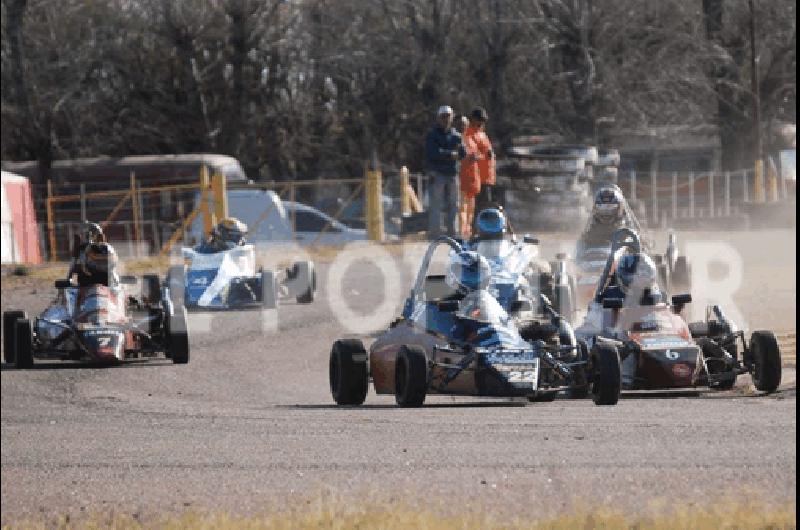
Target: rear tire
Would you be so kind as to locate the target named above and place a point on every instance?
(606, 374)
(9, 329)
(176, 283)
(766, 357)
(23, 344)
(178, 339)
(411, 377)
(306, 276)
(151, 289)
(348, 373)
(269, 290)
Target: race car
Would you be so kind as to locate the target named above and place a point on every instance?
(455, 338)
(658, 349)
(519, 273)
(99, 323)
(228, 279)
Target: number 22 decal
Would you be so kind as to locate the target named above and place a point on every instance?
(521, 377)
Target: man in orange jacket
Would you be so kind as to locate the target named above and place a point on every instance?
(486, 158)
(469, 178)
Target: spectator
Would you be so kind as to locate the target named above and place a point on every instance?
(469, 178)
(486, 159)
(443, 149)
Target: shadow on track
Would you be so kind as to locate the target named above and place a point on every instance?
(80, 365)
(471, 404)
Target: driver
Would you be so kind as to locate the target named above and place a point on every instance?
(229, 233)
(609, 214)
(94, 261)
(469, 274)
(635, 274)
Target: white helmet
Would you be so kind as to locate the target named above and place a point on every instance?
(468, 271)
(609, 205)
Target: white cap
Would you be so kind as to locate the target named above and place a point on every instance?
(444, 109)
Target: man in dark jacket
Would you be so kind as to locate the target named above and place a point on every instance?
(443, 150)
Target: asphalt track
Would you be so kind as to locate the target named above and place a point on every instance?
(250, 423)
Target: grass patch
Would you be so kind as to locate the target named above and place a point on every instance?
(323, 515)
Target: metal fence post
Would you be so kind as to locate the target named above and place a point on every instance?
(633, 184)
(405, 198)
(691, 194)
(83, 203)
(51, 223)
(674, 194)
(727, 194)
(711, 194)
(654, 185)
(745, 192)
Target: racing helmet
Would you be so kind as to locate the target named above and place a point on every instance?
(92, 233)
(100, 259)
(491, 223)
(636, 271)
(230, 230)
(468, 271)
(609, 205)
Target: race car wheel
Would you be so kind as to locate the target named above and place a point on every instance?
(766, 357)
(23, 344)
(606, 375)
(306, 277)
(178, 338)
(151, 289)
(269, 290)
(348, 372)
(681, 276)
(9, 328)
(580, 383)
(175, 282)
(411, 377)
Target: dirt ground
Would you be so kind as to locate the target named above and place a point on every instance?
(250, 424)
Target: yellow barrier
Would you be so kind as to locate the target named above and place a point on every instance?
(220, 192)
(758, 182)
(405, 197)
(374, 204)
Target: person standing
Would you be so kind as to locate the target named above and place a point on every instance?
(486, 158)
(469, 177)
(443, 150)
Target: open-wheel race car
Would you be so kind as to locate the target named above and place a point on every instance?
(658, 349)
(99, 323)
(228, 279)
(460, 341)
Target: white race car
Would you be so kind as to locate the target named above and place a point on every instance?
(228, 279)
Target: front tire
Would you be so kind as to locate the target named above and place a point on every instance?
(411, 377)
(178, 339)
(306, 277)
(10, 319)
(23, 344)
(348, 372)
(606, 374)
(766, 356)
(176, 283)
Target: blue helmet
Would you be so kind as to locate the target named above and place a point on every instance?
(468, 271)
(491, 223)
(636, 270)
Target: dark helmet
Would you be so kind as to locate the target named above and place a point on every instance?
(636, 271)
(100, 259)
(491, 223)
(230, 230)
(609, 204)
(468, 271)
(92, 232)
